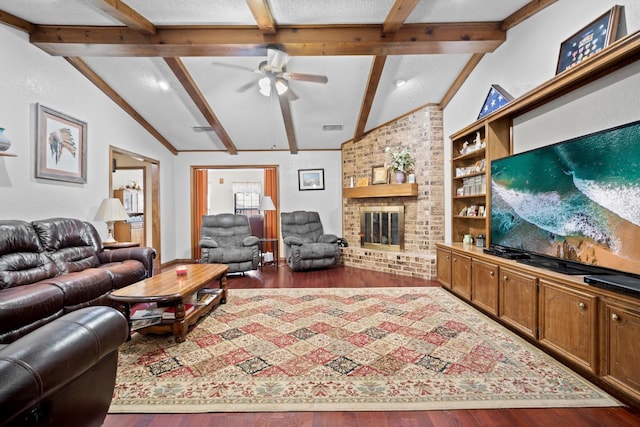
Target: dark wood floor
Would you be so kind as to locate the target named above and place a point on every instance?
(351, 277)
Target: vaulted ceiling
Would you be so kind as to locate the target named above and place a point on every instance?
(186, 70)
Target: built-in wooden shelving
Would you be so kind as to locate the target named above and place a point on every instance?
(381, 190)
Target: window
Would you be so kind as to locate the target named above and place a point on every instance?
(246, 197)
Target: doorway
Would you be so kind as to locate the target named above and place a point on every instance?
(141, 175)
(214, 189)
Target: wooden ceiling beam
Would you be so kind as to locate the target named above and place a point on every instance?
(94, 78)
(180, 71)
(462, 77)
(15, 22)
(440, 38)
(285, 107)
(525, 12)
(399, 13)
(374, 79)
(262, 14)
(125, 14)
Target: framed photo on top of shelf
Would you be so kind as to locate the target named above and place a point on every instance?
(379, 175)
(589, 40)
(496, 98)
(310, 179)
(61, 146)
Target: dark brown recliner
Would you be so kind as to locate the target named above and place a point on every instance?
(62, 373)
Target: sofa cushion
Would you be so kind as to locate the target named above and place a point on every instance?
(24, 305)
(82, 286)
(72, 243)
(22, 260)
(125, 273)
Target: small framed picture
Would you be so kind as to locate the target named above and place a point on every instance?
(61, 146)
(379, 175)
(589, 41)
(496, 98)
(310, 179)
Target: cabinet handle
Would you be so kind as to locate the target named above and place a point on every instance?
(492, 274)
(505, 278)
(615, 317)
(582, 306)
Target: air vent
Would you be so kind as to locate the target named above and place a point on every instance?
(202, 128)
(332, 127)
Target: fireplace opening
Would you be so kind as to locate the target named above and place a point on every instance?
(382, 227)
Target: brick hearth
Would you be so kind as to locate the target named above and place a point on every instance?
(424, 214)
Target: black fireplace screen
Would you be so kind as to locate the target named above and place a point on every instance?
(382, 228)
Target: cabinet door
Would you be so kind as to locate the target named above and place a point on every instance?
(443, 264)
(621, 347)
(484, 286)
(518, 301)
(461, 272)
(568, 323)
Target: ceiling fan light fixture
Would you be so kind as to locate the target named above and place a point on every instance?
(265, 86)
(281, 86)
(400, 82)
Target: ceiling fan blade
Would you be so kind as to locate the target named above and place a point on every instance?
(246, 86)
(306, 77)
(288, 123)
(234, 66)
(291, 94)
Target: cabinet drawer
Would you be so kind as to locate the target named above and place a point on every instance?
(518, 301)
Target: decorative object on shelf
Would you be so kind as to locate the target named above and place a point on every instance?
(467, 240)
(379, 175)
(480, 240)
(61, 148)
(401, 162)
(5, 143)
(589, 40)
(496, 98)
(110, 211)
(412, 178)
(362, 182)
(310, 179)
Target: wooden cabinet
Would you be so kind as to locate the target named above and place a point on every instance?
(568, 323)
(518, 301)
(129, 232)
(484, 285)
(443, 267)
(472, 152)
(132, 200)
(620, 354)
(461, 275)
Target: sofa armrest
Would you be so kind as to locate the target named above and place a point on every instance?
(293, 240)
(208, 242)
(328, 238)
(37, 368)
(145, 255)
(250, 241)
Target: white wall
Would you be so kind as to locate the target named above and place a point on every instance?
(221, 193)
(529, 58)
(29, 76)
(327, 202)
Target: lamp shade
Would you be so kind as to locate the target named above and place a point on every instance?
(111, 210)
(266, 204)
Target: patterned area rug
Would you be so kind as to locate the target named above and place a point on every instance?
(343, 349)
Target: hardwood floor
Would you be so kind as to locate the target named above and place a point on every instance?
(353, 278)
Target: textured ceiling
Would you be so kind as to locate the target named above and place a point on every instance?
(251, 120)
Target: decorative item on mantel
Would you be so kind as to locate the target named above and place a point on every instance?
(4, 141)
(401, 163)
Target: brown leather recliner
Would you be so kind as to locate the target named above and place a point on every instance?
(63, 373)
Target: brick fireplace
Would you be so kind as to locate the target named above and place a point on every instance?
(424, 221)
(382, 228)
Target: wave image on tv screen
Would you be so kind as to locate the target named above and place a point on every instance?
(577, 200)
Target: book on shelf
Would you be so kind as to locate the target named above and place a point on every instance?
(145, 322)
(146, 311)
(170, 312)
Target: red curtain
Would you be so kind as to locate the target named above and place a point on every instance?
(201, 207)
(271, 190)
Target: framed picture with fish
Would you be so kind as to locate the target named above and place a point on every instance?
(61, 146)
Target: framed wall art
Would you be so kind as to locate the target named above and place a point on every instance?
(61, 146)
(496, 98)
(589, 41)
(310, 179)
(379, 175)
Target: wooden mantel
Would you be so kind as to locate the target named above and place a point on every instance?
(380, 190)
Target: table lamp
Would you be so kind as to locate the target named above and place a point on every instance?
(111, 210)
(266, 204)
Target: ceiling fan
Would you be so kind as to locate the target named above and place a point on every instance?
(275, 77)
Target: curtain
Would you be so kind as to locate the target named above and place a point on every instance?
(201, 207)
(271, 190)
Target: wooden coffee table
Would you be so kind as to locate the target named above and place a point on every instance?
(171, 290)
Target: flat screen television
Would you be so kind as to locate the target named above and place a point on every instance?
(573, 205)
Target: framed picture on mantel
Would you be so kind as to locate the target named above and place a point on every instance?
(589, 41)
